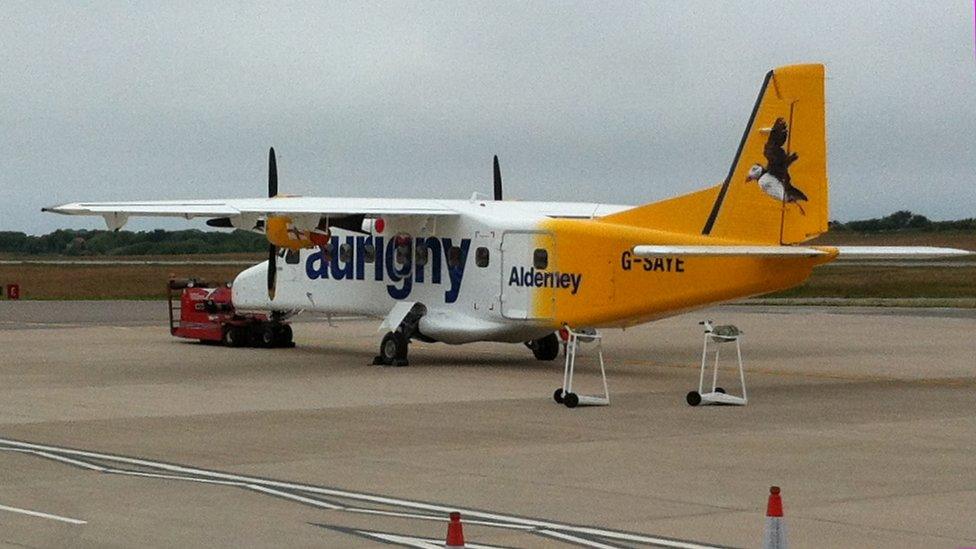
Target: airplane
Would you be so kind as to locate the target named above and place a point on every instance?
(459, 271)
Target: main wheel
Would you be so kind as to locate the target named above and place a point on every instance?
(571, 400)
(720, 390)
(545, 348)
(393, 349)
(693, 398)
(558, 395)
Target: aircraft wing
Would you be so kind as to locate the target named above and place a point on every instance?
(239, 209)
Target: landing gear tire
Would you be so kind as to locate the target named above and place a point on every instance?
(693, 398)
(571, 400)
(720, 390)
(545, 348)
(234, 336)
(558, 396)
(393, 350)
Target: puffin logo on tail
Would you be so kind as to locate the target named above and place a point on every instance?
(774, 178)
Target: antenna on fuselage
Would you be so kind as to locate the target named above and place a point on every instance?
(498, 180)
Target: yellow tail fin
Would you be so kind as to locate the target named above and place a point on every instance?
(776, 189)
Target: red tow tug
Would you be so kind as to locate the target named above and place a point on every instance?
(205, 312)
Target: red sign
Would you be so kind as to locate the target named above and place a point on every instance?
(13, 291)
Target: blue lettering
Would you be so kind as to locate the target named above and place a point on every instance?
(378, 270)
(398, 270)
(361, 242)
(530, 278)
(433, 259)
(340, 273)
(401, 274)
(455, 271)
(315, 267)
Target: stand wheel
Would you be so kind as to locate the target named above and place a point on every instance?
(571, 400)
(558, 395)
(693, 398)
(720, 390)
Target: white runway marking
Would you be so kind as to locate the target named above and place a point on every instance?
(575, 534)
(39, 514)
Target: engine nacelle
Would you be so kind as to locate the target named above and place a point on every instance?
(281, 231)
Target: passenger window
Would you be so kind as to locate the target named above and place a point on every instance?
(481, 256)
(540, 259)
(292, 257)
(369, 253)
(345, 253)
(454, 257)
(420, 255)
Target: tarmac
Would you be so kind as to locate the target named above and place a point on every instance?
(113, 433)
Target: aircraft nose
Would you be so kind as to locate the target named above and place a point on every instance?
(249, 289)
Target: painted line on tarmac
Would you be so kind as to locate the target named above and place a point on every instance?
(308, 494)
(39, 514)
(403, 540)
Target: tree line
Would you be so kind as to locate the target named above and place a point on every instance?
(903, 220)
(159, 242)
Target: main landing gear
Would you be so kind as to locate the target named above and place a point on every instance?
(393, 347)
(393, 350)
(544, 348)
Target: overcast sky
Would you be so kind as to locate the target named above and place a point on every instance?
(626, 104)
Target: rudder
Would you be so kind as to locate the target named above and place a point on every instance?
(776, 190)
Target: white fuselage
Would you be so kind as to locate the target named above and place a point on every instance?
(467, 299)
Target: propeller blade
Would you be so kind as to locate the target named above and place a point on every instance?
(272, 269)
(272, 174)
(498, 180)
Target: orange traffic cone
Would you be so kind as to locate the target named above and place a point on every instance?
(774, 537)
(455, 534)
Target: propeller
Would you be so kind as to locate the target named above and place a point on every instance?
(498, 180)
(272, 249)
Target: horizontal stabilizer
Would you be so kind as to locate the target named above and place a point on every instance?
(729, 251)
(898, 252)
(843, 252)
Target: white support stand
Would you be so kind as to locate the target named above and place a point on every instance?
(565, 394)
(718, 335)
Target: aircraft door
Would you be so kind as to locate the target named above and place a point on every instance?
(526, 257)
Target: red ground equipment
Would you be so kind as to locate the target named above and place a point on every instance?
(198, 310)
